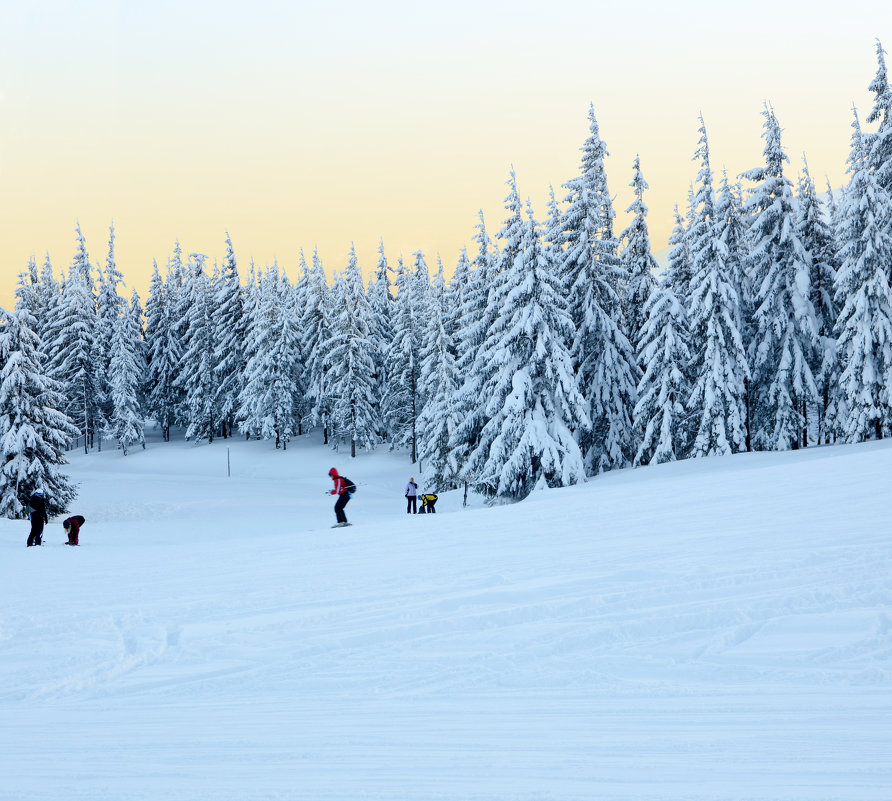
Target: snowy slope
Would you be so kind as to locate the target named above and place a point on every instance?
(715, 629)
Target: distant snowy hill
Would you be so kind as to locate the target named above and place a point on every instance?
(711, 629)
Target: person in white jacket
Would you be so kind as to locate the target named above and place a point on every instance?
(411, 497)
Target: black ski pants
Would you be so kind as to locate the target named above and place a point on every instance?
(412, 505)
(343, 498)
(36, 535)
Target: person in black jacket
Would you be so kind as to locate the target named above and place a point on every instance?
(37, 504)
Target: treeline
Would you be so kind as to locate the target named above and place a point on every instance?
(556, 350)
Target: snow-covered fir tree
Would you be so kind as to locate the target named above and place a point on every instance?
(270, 387)
(864, 326)
(438, 419)
(733, 245)
(679, 270)
(603, 358)
(229, 319)
(662, 421)
(734, 241)
(473, 321)
(34, 431)
(718, 362)
(533, 404)
(72, 340)
(434, 307)
(28, 296)
(109, 309)
(473, 436)
(47, 310)
(198, 381)
(381, 332)
(402, 405)
(162, 347)
(879, 144)
(176, 287)
(298, 301)
(786, 336)
(126, 371)
(352, 368)
(816, 235)
(316, 331)
(639, 265)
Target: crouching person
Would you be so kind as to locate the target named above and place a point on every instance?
(428, 504)
(72, 526)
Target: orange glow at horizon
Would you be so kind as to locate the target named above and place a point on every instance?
(309, 129)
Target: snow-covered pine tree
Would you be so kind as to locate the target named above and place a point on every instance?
(34, 432)
(477, 313)
(402, 404)
(864, 326)
(50, 297)
(639, 265)
(533, 404)
(381, 333)
(554, 228)
(475, 395)
(229, 319)
(28, 297)
(298, 299)
(679, 270)
(733, 245)
(176, 288)
(603, 358)
(879, 144)
(836, 414)
(718, 364)
(138, 325)
(439, 381)
(352, 368)
(197, 380)
(109, 309)
(126, 371)
(734, 241)
(421, 294)
(72, 340)
(163, 356)
(786, 336)
(456, 289)
(315, 328)
(270, 388)
(474, 319)
(816, 236)
(662, 421)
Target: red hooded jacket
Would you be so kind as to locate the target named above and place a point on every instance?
(340, 486)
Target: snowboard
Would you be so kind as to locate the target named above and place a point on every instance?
(341, 525)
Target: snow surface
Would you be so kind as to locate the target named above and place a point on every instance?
(713, 629)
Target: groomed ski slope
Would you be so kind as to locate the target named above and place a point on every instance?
(714, 629)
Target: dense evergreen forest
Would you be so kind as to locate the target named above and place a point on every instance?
(556, 350)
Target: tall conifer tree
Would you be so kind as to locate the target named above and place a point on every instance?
(34, 431)
(718, 365)
(603, 358)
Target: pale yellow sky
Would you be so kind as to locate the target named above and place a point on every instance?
(302, 125)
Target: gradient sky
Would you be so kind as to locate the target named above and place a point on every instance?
(304, 124)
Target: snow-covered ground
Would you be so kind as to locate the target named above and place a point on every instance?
(715, 629)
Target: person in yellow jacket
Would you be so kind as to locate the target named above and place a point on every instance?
(428, 502)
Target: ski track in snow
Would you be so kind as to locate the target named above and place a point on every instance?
(716, 629)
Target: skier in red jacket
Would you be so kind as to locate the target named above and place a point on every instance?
(343, 488)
